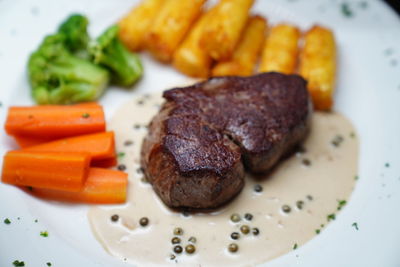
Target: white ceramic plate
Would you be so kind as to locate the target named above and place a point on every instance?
(368, 92)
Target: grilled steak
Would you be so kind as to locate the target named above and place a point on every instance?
(205, 135)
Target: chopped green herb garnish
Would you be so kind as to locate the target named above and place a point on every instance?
(341, 203)
(346, 11)
(48, 264)
(352, 135)
(331, 217)
(121, 154)
(322, 225)
(363, 4)
(18, 218)
(356, 177)
(355, 225)
(387, 165)
(295, 246)
(85, 115)
(317, 231)
(36, 220)
(44, 233)
(7, 221)
(18, 263)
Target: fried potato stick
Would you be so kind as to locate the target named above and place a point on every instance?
(170, 26)
(281, 49)
(245, 57)
(134, 26)
(318, 65)
(225, 27)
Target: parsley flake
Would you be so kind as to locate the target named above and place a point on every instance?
(7, 221)
(355, 225)
(48, 264)
(121, 154)
(44, 233)
(295, 246)
(317, 231)
(341, 203)
(18, 263)
(85, 115)
(387, 165)
(346, 10)
(331, 217)
(356, 177)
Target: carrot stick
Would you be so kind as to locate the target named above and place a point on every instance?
(54, 122)
(101, 187)
(99, 145)
(63, 171)
(27, 141)
(105, 163)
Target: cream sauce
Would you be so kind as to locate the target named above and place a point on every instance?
(329, 178)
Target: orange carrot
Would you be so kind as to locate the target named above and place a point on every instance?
(54, 122)
(53, 170)
(27, 141)
(101, 187)
(99, 145)
(105, 163)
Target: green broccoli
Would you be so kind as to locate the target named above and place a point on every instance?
(108, 51)
(76, 36)
(59, 77)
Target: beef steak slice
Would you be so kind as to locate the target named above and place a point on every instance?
(204, 135)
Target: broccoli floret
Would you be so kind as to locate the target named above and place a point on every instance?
(58, 77)
(108, 51)
(76, 36)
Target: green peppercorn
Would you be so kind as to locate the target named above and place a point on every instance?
(235, 217)
(233, 247)
(306, 162)
(121, 167)
(235, 235)
(178, 231)
(144, 221)
(192, 239)
(255, 231)
(258, 188)
(248, 216)
(245, 229)
(286, 208)
(178, 249)
(300, 204)
(175, 240)
(190, 249)
(115, 218)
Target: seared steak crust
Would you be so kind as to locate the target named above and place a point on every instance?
(197, 144)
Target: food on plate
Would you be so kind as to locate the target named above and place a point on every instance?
(244, 58)
(170, 25)
(69, 68)
(58, 77)
(100, 146)
(190, 58)
(53, 122)
(134, 26)
(108, 51)
(52, 170)
(76, 36)
(223, 30)
(60, 145)
(318, 65)
(198, 144)
(280, 51)
(102, 186)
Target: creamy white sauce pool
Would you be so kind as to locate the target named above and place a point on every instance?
(320, 177)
